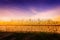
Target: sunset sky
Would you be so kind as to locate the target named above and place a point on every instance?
(29, 9)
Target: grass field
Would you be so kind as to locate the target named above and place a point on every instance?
(37, 30)
(55, 29)
(30, 32)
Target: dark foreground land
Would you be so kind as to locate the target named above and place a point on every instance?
(29, 36)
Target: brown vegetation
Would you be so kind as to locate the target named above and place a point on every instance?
(30, 26)
(30, 22)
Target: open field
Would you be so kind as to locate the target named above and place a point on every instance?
(30, 30)
(54, 29)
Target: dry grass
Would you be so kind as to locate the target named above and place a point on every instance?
(30, 26)
(55, 29)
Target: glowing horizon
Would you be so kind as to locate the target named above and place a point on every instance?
(9, 14)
